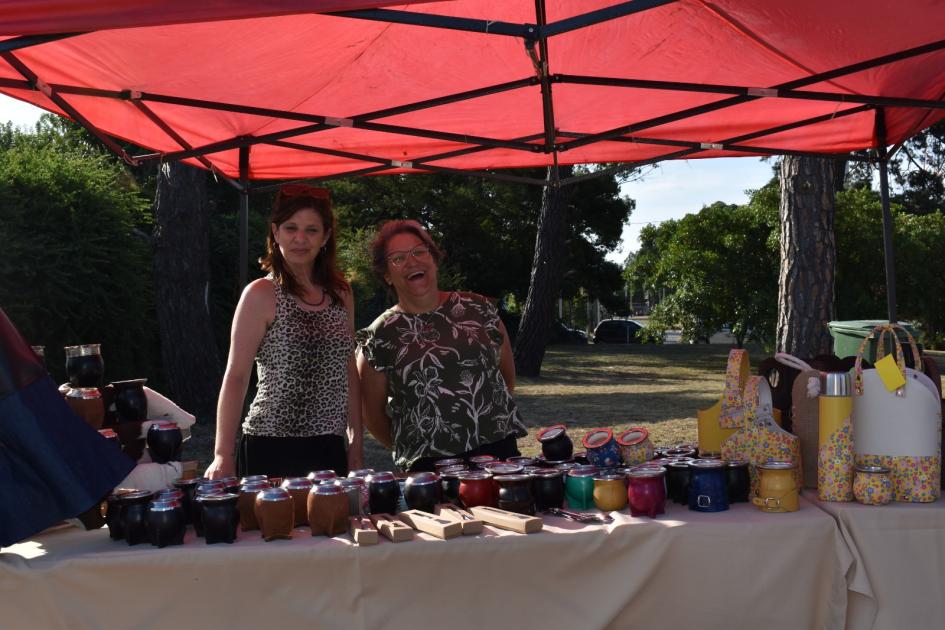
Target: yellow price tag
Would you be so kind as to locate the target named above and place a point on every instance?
(889, 371)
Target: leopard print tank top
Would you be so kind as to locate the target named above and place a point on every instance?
(302, 366)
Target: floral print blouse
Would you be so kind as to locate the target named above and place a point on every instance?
(446, 393)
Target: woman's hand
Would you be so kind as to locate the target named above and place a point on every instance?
(356, 455)
(221, 466)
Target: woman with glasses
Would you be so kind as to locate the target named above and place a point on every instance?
(297, 323)
(436, 368)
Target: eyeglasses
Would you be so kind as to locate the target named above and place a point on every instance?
(302, 190)
(399, 258)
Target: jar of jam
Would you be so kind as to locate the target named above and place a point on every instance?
(872, 485)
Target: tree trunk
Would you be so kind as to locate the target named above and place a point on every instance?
(808, 256)
(545, 283)
(181, 278)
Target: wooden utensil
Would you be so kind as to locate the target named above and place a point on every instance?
(431, 524)
(507, 520)
(470, 524)
(391, 528)
(362, 531)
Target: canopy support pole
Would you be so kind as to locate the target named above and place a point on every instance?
(244, 215)
(888, 248)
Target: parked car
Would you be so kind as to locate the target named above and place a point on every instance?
(562, 333)
(617, 331)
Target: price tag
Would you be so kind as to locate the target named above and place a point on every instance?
(889, 371)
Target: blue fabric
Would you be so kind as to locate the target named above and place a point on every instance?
(52, 464)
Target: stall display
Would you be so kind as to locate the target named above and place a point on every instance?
(898, 424)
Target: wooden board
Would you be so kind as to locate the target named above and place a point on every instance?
(362, 531)
(507, 520)
(391, 528)
(470, 524)
(431, 524)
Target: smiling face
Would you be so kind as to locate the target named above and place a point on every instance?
(300, 237)
(415, 277)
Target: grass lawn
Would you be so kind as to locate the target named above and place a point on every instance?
(587, 386)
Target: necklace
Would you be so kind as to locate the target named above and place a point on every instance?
(318, 303)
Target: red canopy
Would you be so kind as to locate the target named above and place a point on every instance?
(316, 95)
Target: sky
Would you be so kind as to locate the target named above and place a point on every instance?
(670, 191)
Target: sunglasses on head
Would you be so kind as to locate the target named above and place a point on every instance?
(290, 191)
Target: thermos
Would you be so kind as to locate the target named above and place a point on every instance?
(835, 443)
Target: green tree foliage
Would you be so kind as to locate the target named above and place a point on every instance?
(718, 268)
(487, 229)
(75, 264)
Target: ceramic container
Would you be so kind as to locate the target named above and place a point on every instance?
(275, 513)
(556, 446)
(450, 481)
(647, 492)
(476, 488)
(131, 403)
(502, 468)
(189, 489)
(835, 463)
(204, 488)
(422, 491)
(328, 510)
(515, 493)
(357, 493)
(164, 442)
(610, 492)
(523, 460)
(383, 493)
(439, 464)
(602, 449)
(476, 462)
(739, 481)
(246, 504)
(299, 488)
(87, 403)
(165, 522)
(113, 515)
(635, 446)
(361, 472)
(220, 514)
(548, 489)
(319, 476)
(677, 481)
(231, 484)
(708, 485)
(579, 487)
(84, 365)
(253, 478)
(777, 487)
(872, 485)
(133, 515)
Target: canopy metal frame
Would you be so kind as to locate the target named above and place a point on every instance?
(548, 140)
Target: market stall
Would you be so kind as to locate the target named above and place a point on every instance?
(740, 568)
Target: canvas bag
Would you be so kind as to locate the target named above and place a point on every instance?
(760, 439)
(899, 429)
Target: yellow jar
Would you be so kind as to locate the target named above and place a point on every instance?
(610, 492)
(777, 490)
(872, 485)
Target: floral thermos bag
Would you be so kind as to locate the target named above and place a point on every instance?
(900, 428)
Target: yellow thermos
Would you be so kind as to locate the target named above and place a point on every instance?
(835, 444)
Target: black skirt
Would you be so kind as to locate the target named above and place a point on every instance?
(290, 456)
